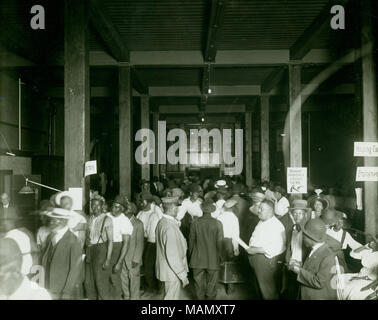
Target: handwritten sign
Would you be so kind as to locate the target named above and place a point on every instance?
(366, 149)
(296, 180)
(367, 174)
(90, 168)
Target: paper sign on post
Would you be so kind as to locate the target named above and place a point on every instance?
(90, 168)
(77, 197)
(367, 174)
(297, 180)
(366, 149)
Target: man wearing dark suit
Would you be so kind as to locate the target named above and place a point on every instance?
(7, 211)
(205, 243)
(316, 274)
(62, 259)
(130, 274)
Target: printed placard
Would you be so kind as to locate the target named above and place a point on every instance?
(366, 149)
(90, 168)
(296, 180)
(367, 174)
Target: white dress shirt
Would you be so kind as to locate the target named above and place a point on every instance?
(144, 216)
(121, 226)
(281, 207)
(296, 245)
(348, 241)
(28, 290)
(269, 235)
(231, 230)
(58, 235)
(188, 206)
(6, 206)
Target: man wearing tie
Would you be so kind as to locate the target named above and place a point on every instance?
(62, 260)
(6, 210)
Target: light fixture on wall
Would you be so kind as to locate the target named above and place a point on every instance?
(29, 190)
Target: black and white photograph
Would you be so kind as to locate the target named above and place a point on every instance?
(196, 150)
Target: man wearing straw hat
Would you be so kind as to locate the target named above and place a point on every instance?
(316, 274)
(62, 259)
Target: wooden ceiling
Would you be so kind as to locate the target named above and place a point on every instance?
(211, 29)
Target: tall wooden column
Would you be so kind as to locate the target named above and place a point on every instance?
(264, 121)
(76, 94)
(145, 124)
(370, 118)
(155, 119)
(248, 148)
(295, 114)
(126, 155)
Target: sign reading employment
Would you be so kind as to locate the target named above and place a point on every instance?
(366, 149)
(296, 180)
(367, 174)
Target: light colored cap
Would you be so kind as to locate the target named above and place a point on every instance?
(220, 183)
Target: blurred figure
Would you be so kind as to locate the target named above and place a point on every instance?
(14, 284)
(62, 259)
(281, 204)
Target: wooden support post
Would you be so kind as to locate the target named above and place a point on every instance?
(295, 115)
(295, 118)
(264, 121)
(370, 117)
(126, 155)
(76, 94)
(248, 148)
(145, 124)
(155, 119)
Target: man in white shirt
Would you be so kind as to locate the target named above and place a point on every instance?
(266, 248)
(122, 231)
(14, 284)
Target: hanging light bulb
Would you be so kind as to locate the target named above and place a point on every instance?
(26, 189)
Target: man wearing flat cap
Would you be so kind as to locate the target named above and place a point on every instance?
(122, 231)
(130, 274)
(205, 244)
(171, 248)
(316, 274)
(62, 259)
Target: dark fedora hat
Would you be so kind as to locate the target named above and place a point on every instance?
(208, 206)
(315, 229)
(121, 200)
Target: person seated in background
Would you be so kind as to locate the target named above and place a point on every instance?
(281, 204)
(14, 284)
(7, 210)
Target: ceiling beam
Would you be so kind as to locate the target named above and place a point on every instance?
(216, 15)
(108, 32)
(272, 80)
(137, 83)
(320, 24)
(206, 73)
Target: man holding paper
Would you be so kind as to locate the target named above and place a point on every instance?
(266, 248)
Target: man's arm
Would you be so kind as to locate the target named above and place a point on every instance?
(109, 236)
(318, 279)
(125, 246)
(173, 257)
(139, 244)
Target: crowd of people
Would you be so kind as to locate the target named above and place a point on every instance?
(177, 232)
